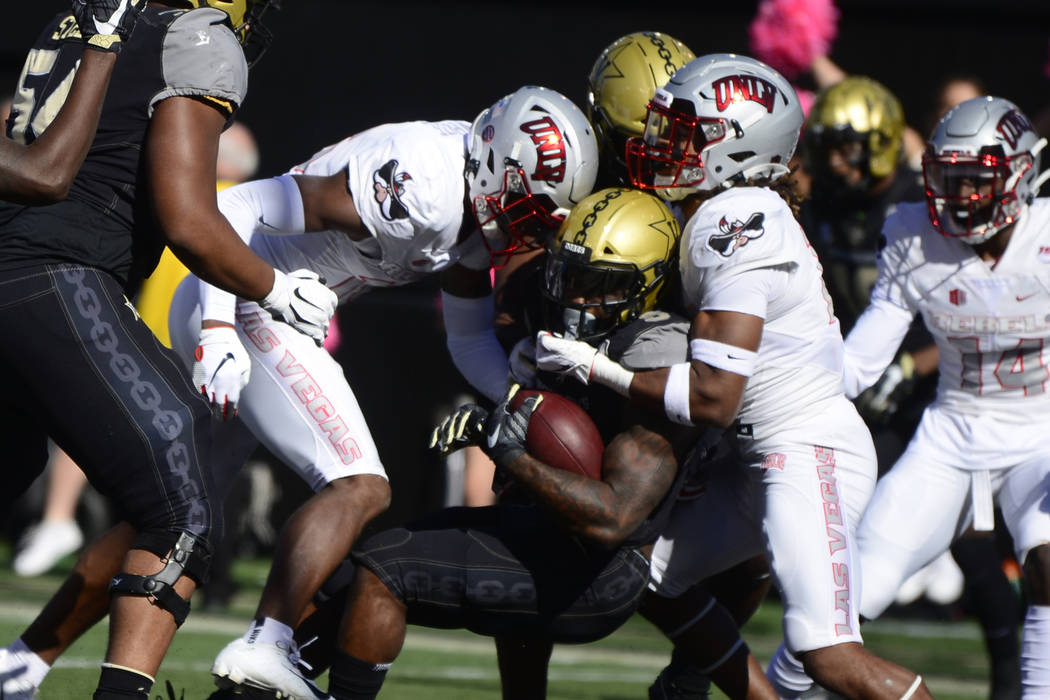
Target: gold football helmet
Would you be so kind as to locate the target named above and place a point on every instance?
(246, 20)
(860, 110)
(609, 262)
(621, 83)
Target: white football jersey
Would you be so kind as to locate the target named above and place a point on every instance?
(991, 321)
(407, 183)
(799, 361)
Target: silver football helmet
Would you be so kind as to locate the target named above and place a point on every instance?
(981, 168)
(721, 120)
(532, 157)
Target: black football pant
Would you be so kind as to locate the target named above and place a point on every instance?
(506, 571)
(80, 366)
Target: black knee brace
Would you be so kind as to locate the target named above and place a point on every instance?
(160, 587)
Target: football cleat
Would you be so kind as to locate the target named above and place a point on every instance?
(14, 685)
(680, 681)
(264, 666)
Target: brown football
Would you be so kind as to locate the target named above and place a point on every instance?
(562, 435)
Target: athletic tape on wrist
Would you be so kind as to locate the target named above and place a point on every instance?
(723, 356)
(676, 394)
(611, 374)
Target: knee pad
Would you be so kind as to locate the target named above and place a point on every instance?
(160, 587)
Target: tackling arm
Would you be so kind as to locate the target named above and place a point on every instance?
(468, 310)
(708, 389)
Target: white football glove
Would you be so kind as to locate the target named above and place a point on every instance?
(561, 356)
(107, 24)
(582, 361)
(301, 299)
(221, 369)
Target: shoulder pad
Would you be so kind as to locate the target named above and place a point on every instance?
(654, 339)
(745, 227)
(202, 58)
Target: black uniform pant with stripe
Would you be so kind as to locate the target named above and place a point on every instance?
(507, 571)
(80, 366)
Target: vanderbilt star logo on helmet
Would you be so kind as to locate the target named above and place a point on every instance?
(389, 187)
(736, 234)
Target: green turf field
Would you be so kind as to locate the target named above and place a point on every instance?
(461, 666)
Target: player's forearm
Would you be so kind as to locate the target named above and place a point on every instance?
(214, 253)
(43, 172)
(472, 343)
(701, 398)
(583, 506)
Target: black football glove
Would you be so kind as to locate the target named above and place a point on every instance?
(106, 24)
(464, 426)
(505, 430)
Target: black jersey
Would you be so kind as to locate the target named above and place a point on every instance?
(106, 220)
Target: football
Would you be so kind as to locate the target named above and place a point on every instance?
(562, 435)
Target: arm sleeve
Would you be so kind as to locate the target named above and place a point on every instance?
(273, 206)
(872, 344)
(472, 342)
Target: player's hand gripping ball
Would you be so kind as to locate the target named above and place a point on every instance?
(549, 427)
(562, 435)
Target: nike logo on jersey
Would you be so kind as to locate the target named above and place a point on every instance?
(1020, 297)
(269, 226)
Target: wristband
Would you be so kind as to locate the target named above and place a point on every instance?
(723, 356)
(676, 394)
(611, 374)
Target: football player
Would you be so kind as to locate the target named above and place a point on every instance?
(972, 260)
(765, 359)
(557, 539)
(137, 428)
(622, 81)
(377, 209)
(853, 146)
(43, 171)
(382, 211)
